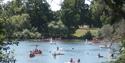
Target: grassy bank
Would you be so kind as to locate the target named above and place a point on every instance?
(81, 32)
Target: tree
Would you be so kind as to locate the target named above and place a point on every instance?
(107, 31)
(70, 16)
(100, 12)
(109, 11)
(2, 34)
(57, 29)
(117, 7)
(15, 18)
(40, 14)
(112, 12)
(84, 12)
(88, 36)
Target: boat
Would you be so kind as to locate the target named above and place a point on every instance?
(51, 41)
(71, 62)
(31, 55)
(57, 53)
(105, 45)
(34, 53)
(37, 51)
(102, 46)
(67, 62)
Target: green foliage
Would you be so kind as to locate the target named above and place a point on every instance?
(68, 3)
(75, 13)
(100, 11)
(121, 59)
(107, 31)
(123, 42)
(19, 20)
(57, 29)
(27, 34)
(40, 14)
(88, 36)
(1, 56)
(68, 16)
(21, 16)
(117, 7)
(2, 36)
(105, 19)
(110, 12)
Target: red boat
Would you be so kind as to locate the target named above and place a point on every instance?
(31, 55)
(34, 53)
(37, 51)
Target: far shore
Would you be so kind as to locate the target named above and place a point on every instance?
(58, 39)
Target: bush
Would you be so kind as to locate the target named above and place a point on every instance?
(121, 59)
(88, 36)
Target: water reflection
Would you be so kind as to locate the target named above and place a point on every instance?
(87, 53)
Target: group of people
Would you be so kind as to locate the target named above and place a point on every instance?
(72, 61)
(36, 51)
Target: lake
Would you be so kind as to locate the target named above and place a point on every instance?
(87, 53)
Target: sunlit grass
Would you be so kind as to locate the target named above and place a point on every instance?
(82, 32)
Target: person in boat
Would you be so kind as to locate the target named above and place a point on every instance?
(32, 54)
(78, 61)
(36, 50)
(40, 52)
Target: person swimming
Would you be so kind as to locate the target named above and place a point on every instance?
(99, 56)
(57, 48)
(71, 60)
(112, 55)
(72, 48)
(78, 61)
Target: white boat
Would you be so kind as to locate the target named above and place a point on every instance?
(67, 62)
(57, 53)
(105, 45)
(51, 41)
(71, 62)
(102, 46)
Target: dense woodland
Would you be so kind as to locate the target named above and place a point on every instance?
(33, 19)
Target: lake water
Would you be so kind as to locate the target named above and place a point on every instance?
(87, 53)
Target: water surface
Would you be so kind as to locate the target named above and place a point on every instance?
(87, 53)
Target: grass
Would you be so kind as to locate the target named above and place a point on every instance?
(82, 32)
(73, 41)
